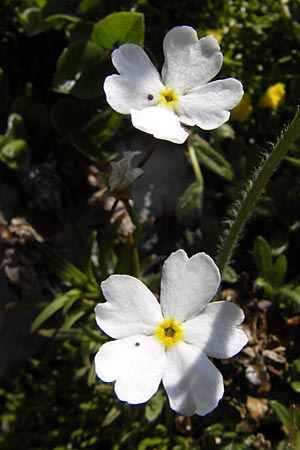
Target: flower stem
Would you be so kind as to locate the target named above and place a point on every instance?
(147, 155)
(195, 165)
(242, 209)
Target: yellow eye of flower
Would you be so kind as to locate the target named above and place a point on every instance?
(168, 97)
(169, 332)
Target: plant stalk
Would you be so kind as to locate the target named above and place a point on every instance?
(242, 209)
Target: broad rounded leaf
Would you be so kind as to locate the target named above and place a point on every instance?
(79, 70)
(120, 28)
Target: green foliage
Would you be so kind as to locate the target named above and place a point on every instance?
(290, 419)
(212, 159)
(272, 275)
(119, 28)
(79, 70)
(14, 151)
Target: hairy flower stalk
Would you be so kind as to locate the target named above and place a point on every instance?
(242, 209)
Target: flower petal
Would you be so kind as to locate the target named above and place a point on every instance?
(187, 284)
(208, 106)
(192, 382)
(189, 62)
(215, 330)
(136, 363)
(137, 80)
(131, 308)
(160, 121)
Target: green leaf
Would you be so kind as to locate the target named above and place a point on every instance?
(15, 126)
(296, 386)
(263, 256)
(85, 145)
(229, 275)
(153, 442)
(65, 270)
(282, 413)
(190, 201)
(103, 125)
(212, 159)
(33, 22)
(214, 430)
(120, 28)
(278, 271)
(14, 151)
(128, 260)
(57, 304)
(296, 366)
(293, 161)
(154, 406)
(15, 154)
(79, 70)
(266, 285)
(80, 31)
(72, 318)
(74, 334)
(111, 416)
(290, 291)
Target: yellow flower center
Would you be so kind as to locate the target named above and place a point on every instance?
(169, 332)
(168, 97)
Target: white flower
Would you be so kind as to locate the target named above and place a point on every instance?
(122, 174)
(168, 341)
(183, 94)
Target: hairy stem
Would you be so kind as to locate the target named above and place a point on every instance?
(242, 209)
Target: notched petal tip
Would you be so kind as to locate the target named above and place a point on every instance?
(210, 45)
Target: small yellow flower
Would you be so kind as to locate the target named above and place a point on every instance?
(272, 97)
(243, 109)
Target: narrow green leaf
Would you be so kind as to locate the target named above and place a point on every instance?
(293, 161)
(290, 291)
(190, 201)
(282, 413)
(263, 256)
(65, 270)
(57, 304)
(120, 28)
(111, 416)
(75, 334)
(217, 429)
(73, 318)
(212, 159)
(278, 271)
